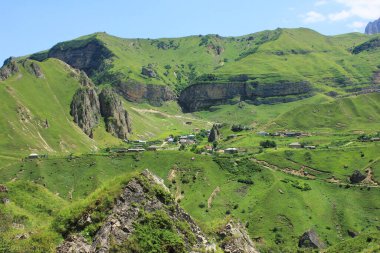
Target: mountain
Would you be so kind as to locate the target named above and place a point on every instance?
(266, 67)
(373, 27)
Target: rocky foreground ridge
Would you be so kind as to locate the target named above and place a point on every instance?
(146, 201)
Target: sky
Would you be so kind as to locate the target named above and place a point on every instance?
(31, 26)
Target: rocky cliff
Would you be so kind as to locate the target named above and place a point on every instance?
(115, 116)
(136, 92)
(145, 203)
(373, 27)
(9, 68)
(202, 96)
(85, 109)
(235, 239)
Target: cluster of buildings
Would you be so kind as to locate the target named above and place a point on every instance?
(299, 145)
(284, 134)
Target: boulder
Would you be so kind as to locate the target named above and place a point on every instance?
(149, 72)
(310, 239)
(357, 177)
(352, 233)
(3, 188)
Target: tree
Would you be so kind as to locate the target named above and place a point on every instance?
(268, 144)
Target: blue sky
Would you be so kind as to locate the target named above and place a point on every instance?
(31, 26)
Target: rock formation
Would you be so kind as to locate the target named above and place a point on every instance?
(115, 116)
(149, 72)
(85, 109)
(236, 239)
(310, 239)
(33, 68)
(204, 95)
(214, 133)
(357, 177)
(143, 194)
(136, 92)
(8, 69)
(373, 27)
(3, 188)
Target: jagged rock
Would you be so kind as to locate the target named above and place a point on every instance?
(148, 72)
(84, 80)
(236, 239)
(3, 188)
(5, 201)
(33, 68)
(115, 116)
(154, 94)
(120, 224)
(357, 177)
(373, 27)
(74, 244)
(9, 68)
(22, 236)
(214, 133)
(310, 239)
(85, 109)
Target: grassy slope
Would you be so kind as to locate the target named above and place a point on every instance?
(282, 54)
(326, 207)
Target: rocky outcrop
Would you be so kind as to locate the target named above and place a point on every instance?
(204, 95)
(3, 188)
(115, 116)
(373, 27)
(236, 239)
(214, 133)
(33, 68)
(142, 195)
(85, 109)
(149, 72)
(136, 92)
(310, 239)
(74, 244)
(357, 177)
(369, 45)
(8, 69)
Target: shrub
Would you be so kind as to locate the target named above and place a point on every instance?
(268, 144)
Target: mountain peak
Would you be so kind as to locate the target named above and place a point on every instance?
(373, 27)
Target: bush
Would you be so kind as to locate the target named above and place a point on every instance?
(202, 205)
(268, 144)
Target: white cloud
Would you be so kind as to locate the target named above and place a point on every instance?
(357, 24)
(340, 15)
(321, 2)
(314, 17)
(365, 9)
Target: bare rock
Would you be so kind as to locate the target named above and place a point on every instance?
(85, 109)
(373, 27)
(8, 69)
(115, 116)
(33, 68)
(74, 244)
(236, 239)
(149, 72)
(310, 239)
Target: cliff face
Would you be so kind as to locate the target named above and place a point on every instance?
(373, 27)
(154, 94)
(115, 116)
(85, 109)
(202, 96)
(144, 202)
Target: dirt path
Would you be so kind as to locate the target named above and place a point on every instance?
(212, 196)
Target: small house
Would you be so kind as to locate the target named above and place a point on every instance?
(208, 148)
(140, 142)
(135, 150)
(191, 136)
(170, 140)
(375, 139)
(231, 151)
(295, 145)
(310, 147)
(33, 156)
